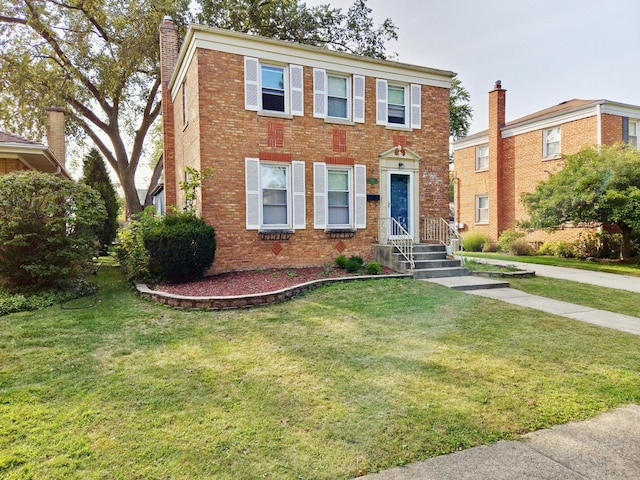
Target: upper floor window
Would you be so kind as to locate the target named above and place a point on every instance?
(482, 209)
(632, 133)
(482, 157)
(273, 88)
(338, 97)
(398, 105)
(552, 142)
(275, 195)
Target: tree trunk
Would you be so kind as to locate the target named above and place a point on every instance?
(625, 247)
(132, 200)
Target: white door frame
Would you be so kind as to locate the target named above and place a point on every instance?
(410, 194)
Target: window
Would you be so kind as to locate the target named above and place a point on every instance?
(482, 209)
(398, 105)
(482, 157)
(340, 194)
(273, 88)
(552, 142)
(633, 133)
(338, 197)
(337, 97)
(275, 195)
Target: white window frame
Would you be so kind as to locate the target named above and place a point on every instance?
(405, 94)
(482, 211)
(633, 139)
(548, 152)
(357, 196)
(285, 88)
(293, 86)
(350, 197)
(482, 157)
(347, 99)
(412, 104)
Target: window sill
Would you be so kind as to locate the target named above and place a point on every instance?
(481, 223)
(480, 170)
(553, 157)
(339, 121)
(267, 113)
(275, 234)
(401, 128)
(340, 232)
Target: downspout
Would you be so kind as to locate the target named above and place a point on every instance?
(599, 121)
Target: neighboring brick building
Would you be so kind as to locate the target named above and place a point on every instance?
(493, 168)
(306, 147)
(18, 153)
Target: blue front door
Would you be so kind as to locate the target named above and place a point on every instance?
(400, 201)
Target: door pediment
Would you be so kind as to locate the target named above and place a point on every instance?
(399, 153)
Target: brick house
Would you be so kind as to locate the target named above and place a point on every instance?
(18, 153)
(493, 168)
(309, 151)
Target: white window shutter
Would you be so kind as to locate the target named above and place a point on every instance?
(358, 99)
(416, 106)
(252, 189)
(319, 93)
(360, 186)
(381, 102)
(299, 202)
(296, 74)
(319, 195)
(251, 84)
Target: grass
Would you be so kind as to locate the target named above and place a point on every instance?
(349, 378)
(598, 266)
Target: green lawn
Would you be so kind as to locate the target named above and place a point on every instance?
(350, 377)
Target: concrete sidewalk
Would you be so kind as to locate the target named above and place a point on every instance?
(606, 447)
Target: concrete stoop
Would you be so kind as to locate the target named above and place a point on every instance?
(430, 260)
(469, 282)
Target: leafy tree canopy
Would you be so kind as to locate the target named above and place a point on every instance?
(460, 111)
(596, 185)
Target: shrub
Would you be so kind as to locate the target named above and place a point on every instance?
(130, 249)
(372, 268)
(341, 261)
(560, 248)
(474, 241)
(48, 228)
(507, 238)
(521, 247)
(354, 264)
(27, 301)
(181, 248)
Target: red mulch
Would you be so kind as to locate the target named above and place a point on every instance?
(254, 281)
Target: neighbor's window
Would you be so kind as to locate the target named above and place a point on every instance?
(274, 182)
(337, 97)
(482, 209)
(339, 195)
(482, 157)
(552, 142)
(633, 133)
(273, 88)
(397, 105)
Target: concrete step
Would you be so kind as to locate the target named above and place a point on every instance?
(435, 263)
(439, 272)
(469, 282)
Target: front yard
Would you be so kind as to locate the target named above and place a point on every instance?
(349, 378)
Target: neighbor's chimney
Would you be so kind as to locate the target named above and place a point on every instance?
(497, 113)
(168, 60)
(55, 133)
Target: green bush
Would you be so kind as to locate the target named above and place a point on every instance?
(354, 264)
(26, 301)
(48, 228)
(181, 248)
(341, 261)
(474, 241)
(130, 249)
(372, 268)
(561, 248)
(507, 238)
(521, 247)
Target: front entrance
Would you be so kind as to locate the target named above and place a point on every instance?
(401, 203)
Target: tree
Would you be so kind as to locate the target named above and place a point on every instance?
(48, 228)
(94, 174)
(97, 60)
(599, 185)
(460, 112)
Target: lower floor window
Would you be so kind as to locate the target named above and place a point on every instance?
(339, 196)
(482, 209)
(274, 181)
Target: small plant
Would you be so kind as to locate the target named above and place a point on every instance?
(474, 241)
(372, 268)
(291, 273)
(354, 264)
(341, 261)
(327, 270)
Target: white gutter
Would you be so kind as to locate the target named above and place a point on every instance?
(599, 120)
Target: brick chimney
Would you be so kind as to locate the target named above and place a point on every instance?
(497, 112)
(55, 133)
(168, 60)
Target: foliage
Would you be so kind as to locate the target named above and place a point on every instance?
(95, 175)
(341, 261)
(181, 248)
(512, 241)
(372, 268)
(48, 228)
(561, 248)
(354, 264)
(295, 21)
(599, 185)
(460, 110)
(191, 186)
(474, 241)
(130, 249)
(12, 302)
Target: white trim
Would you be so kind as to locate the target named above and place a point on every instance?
(252, 89)
(253, 204)
(599, 126)
(299, 206)
(382, 98)
(360, 196)
(319, 195)
(319, 93)
(410, 199)
(358, 98)
(549, 122)
(415, 106)
(466, 143)
(296, 72)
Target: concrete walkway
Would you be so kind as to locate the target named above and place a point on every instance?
(606, 447)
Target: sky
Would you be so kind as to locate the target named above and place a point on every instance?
(543, 51)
